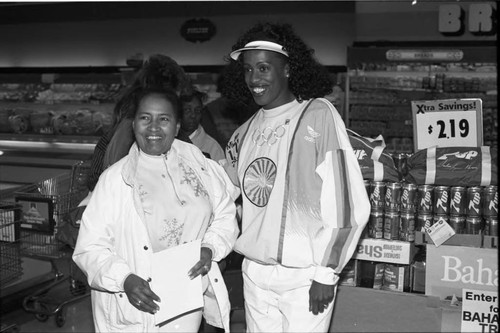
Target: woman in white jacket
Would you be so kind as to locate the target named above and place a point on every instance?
(162, 194)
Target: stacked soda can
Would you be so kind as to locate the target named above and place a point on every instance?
(376, 221)
(468, 210)
(490, 210)
(458, 208)
(474, 207)
(408, 212)
(425, 198)
(441, 204)
(392, 203)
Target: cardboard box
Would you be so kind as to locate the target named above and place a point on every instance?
(490, 242)
(421, 238)
(382, 250)
(449, 269)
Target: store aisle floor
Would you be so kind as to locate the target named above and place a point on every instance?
(79, 319)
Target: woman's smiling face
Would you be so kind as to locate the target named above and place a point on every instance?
(155, 124)
(266, 76)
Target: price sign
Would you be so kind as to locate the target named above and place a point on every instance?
(447, 123)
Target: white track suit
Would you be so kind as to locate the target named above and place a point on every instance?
(304, 208)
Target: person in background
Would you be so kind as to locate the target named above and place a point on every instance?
(192, 106)
(163, 193)
(304, 202)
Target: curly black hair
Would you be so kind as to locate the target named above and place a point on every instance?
(308, 78)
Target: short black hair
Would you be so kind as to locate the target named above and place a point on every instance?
(169, 95)
(201, 96)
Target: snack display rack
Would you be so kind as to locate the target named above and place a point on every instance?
(61, 194)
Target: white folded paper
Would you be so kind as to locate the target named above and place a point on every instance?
(170, 281)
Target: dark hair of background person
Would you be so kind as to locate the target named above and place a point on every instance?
(158, 71)
(201, 96)
(308, 78)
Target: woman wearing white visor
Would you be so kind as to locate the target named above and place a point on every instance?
(304, 202)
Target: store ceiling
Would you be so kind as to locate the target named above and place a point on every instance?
(30, 12)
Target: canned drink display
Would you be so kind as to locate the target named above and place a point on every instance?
(391, 225)
(423, 221)
(392, 196)
(377, 193)
(408, 197)
(490, 200)
(473, 225)
(458, 223)
(425, 199)
(441, 202)
(376, 224)
(491, 225)
(436, 218)
(458, 200)
(407, 227)
(474, 201)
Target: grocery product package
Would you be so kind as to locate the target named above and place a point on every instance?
(375, 163)
(454, 166)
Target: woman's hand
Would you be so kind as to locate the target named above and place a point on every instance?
(320, 296)
(140, 295)
(203, 266)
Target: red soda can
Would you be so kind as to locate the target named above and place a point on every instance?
(377, 193)
(473, 225)
(423, 221)
(458, 200)
(391, 225)
(408, 197)
(491, 225)
(425, 199)
(441, 202)
(376, 224)
(392, 196)
(490, 200)
(407, 226)
(457, 222)
(474, 201)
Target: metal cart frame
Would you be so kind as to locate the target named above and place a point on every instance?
(63, 193)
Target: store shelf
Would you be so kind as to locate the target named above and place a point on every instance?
(379, 91)
(49, 144)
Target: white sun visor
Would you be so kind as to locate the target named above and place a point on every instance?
(259, 45)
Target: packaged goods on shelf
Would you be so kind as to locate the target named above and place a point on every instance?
(454, 166)
(350, 274)
(371, 274)
(396, 278)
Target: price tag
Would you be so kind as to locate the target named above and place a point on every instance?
(447, 123)
(440, 232)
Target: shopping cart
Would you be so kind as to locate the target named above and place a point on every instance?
(11, 268)
(47, 208)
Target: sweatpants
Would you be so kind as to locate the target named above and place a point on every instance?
(277, 299)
